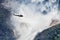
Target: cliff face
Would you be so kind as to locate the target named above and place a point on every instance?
(52, 33)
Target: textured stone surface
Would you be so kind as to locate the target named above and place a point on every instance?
(52, 33)
(5, 32)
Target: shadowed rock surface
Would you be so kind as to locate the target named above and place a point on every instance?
(52, 33)
(5, 32)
